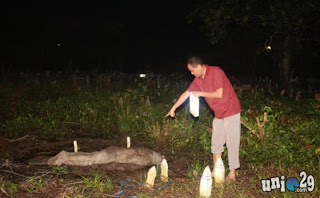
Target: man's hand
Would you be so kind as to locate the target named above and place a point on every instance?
(181, 100)
(171, 113)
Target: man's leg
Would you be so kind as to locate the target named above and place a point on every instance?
(217, 140)
(233, 130)
(215, 158)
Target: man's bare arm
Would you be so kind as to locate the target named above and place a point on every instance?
(179, 102)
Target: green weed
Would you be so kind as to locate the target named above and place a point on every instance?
(59, 170)
(34, 184)
(9, 188)
(97, 182)
(196, 169)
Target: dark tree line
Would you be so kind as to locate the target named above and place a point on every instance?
(287, 26)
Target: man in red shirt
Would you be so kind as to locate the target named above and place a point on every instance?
(211, 83)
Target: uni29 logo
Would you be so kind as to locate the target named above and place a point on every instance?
(306, 183)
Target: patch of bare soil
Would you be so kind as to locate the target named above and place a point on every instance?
(45, 181)
(17, 162)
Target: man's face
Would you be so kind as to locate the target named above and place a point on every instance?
(196, 71)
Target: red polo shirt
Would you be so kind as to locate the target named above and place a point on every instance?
(214, 79)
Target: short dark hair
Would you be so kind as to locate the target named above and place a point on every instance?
(194, 61)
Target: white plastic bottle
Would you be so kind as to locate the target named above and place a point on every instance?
(219, 171)
(206, 183)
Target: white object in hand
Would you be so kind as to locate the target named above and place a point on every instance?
(206, 183)
(128, 142)
(75, 146)
(194, 105)
(219, 172)
(152, 173)
(164, 171)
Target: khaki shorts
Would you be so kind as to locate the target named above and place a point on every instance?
(227, 131)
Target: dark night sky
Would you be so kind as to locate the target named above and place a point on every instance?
(124, 35)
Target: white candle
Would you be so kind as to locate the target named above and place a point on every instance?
(75, 146)
(219, 171)
(152, 173)
(164, 171)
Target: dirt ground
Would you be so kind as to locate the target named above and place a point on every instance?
(16, 155)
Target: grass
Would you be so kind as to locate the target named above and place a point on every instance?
(98, 182)
(196, 168)
(9, 188)
(59, 170)
(55, 105)
(34, 184)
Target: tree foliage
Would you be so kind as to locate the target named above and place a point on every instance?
(273, 17)
(284, 24)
